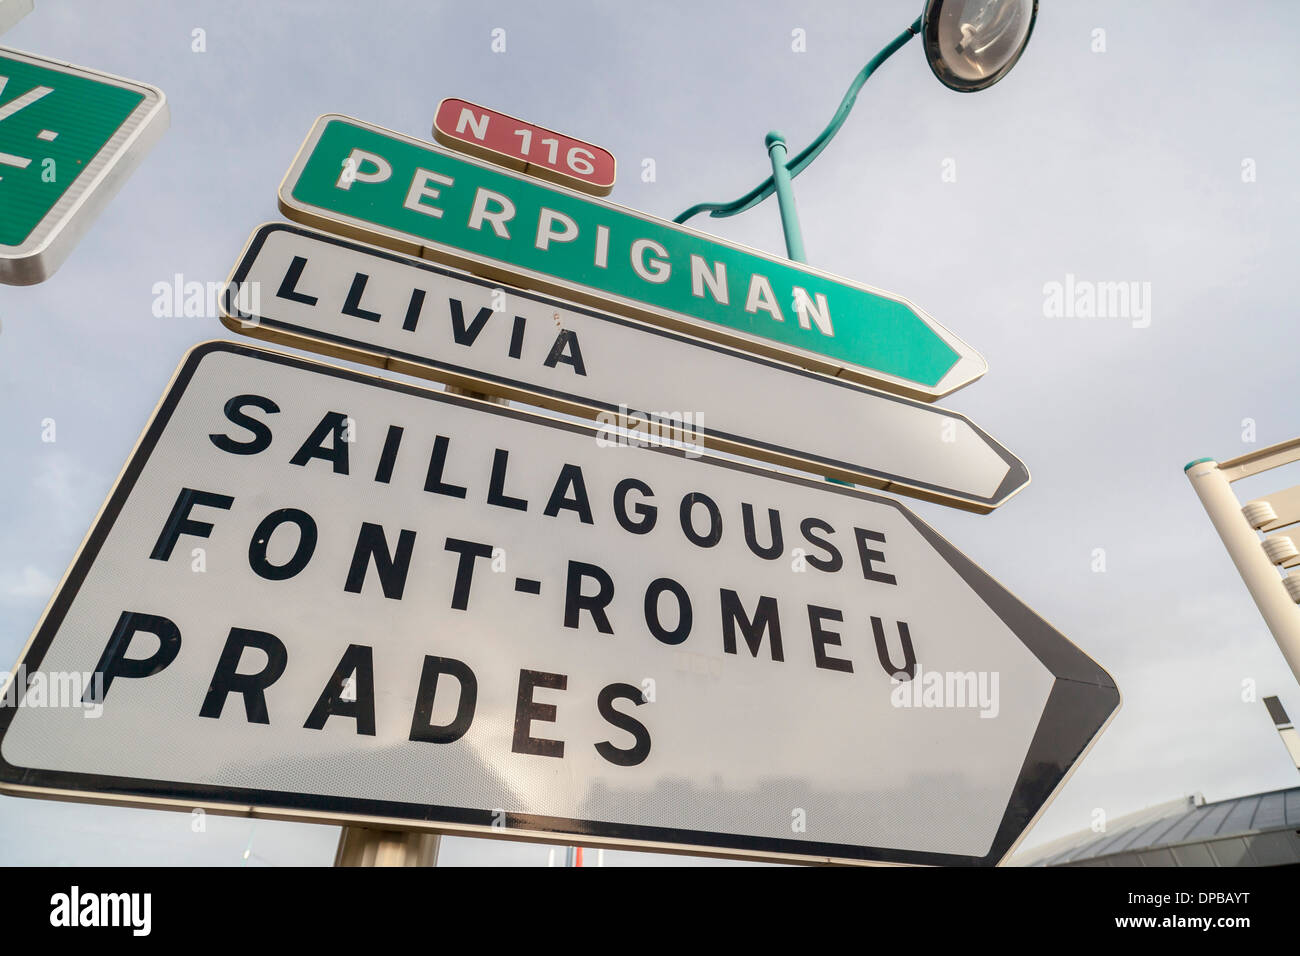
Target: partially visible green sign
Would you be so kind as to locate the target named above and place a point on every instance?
(374, 184)
(62, 128)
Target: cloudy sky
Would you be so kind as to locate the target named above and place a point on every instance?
(1135, 142)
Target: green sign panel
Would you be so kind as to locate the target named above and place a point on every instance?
(68, 137)
(374, 184)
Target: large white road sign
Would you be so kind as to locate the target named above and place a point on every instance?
(299, 287)
(317, 594)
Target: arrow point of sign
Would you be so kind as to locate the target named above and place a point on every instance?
(1065, 733)
(1016, 480)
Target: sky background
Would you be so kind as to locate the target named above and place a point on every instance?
(1124, 165)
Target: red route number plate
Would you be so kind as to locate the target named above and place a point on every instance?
(521, 146)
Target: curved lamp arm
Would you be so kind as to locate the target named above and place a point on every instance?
(720, 210)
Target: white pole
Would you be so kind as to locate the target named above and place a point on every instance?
(1243, 546)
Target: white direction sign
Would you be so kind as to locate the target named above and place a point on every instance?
(303, 288)
(317, 594)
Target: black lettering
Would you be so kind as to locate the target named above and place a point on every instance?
(392, 569)
(468, 551)
(388, 457)
(517, 337)
(413, 309)
(422, 727)
(234, 411)
(437, 462)
(836, 560)
(641, 748)
(566, 350)
(461, 334)
(686, 513)
(882, 650)
(496, 485)
(333, 424)
(227, 680)
(648, 514)
(527, 710)
(576, 602)
(289, 284)
(684, 613)
(821, 637)
(257, 559)
(570, 478)
(766, 618)
(114, 663)
(179, 522)
(772, 551)
(358, 659)
(868, 556)
(352, 304)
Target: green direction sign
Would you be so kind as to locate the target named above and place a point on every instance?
(367, 182)
(69, 137)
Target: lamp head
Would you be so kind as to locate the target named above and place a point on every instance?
(971, 44)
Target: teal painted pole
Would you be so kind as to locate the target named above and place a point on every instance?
(785, 197)
(719, 210)
(789, 212)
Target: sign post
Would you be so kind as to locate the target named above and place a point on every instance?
(319, 595)
(69, 138)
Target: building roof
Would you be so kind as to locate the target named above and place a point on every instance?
(1262, 829)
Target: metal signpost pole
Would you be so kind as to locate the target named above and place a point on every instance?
(792, 168)
(363, 846)
(785, 197)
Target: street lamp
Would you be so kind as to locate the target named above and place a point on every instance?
(970, 45)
